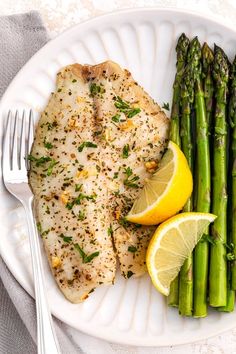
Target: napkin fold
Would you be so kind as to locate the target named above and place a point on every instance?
(20, 37)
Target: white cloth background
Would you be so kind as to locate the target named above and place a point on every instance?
(59, 15)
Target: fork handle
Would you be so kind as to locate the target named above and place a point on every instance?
(46, 337)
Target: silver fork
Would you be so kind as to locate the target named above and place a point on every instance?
(16, 147)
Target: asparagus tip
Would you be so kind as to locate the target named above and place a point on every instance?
(182, 45)
(194, 51)
(207, 57)
(220, 67)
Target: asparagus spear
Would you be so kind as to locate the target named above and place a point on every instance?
(231, 199)
(203, 180)
(218, 263)
(231, 267)
(173, 298)
(232, 210)
(229, 307)
(187, 97)
(208, 85)
(181, 52)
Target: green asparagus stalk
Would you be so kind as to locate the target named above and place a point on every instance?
(231, 199)
(229, 307)
(208, 85)
(203, 178)
(187, 97)
(173, 298)
(230, 300)
(232, 167)
(218, 263)
(181, 52)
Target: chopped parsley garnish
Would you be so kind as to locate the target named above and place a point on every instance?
(129, 274)
(125, 152)
(86, 258)
(130, 180)
(121, 104)
(116, 174)
(88, 144)
(81, 215)
(116, 118)
(42, 160)
(47, 145)
(128, 171)
(39, 161)
(110, 231)
(166, 106)
(133, 112)
(44, 233)
(99, 132)
(66, 239)
(39, 227)
(50, 167)
(124, 107)
(137, 226)
(74, 80)
(77, 200)
(132, 249)
(78, 187)
(52, 125)
(124, 222)
(96, 89)
(82, 196)
(70, 205)
(59, 90)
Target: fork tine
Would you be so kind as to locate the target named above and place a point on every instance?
(15, 155)
(31, 131)
(6, 145)
(30, 135)
(22, 143)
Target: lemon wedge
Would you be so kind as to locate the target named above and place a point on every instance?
(166, 191)
(172, 242)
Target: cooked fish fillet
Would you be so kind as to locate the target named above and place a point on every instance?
(98, 139)
(70, 188)
(132, 131)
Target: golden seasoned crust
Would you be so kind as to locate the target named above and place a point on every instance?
(119, 77)
(70, 188)
(135, 133)
(86, 151)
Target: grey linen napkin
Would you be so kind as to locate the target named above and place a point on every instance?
(20, 37)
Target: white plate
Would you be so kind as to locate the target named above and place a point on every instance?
(130, 312)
